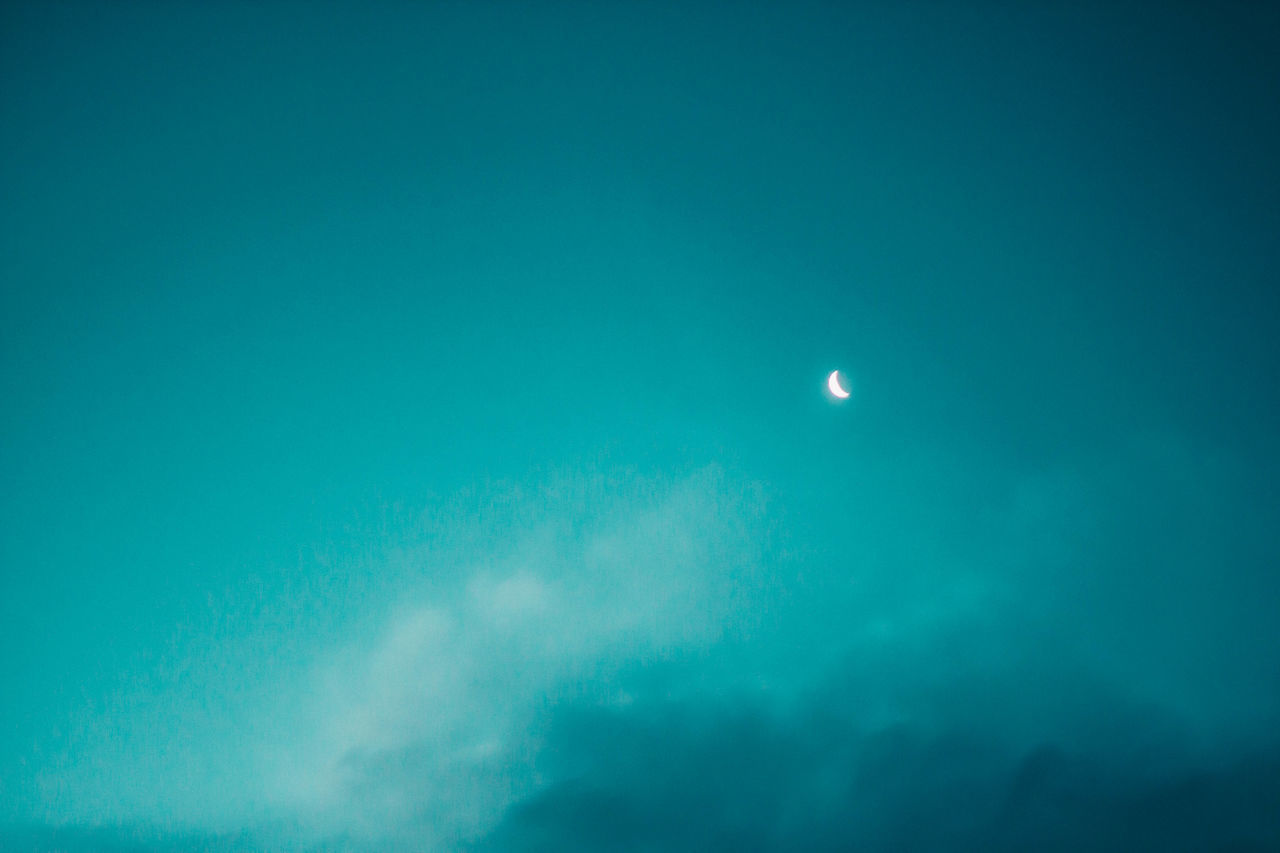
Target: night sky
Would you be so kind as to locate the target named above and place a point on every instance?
(414, 432)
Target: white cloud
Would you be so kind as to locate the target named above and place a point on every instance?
(435, 719)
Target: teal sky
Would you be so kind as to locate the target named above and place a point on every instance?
(413, 432)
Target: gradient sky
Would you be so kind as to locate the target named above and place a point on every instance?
(413, 433)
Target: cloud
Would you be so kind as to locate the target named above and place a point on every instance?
(619, 661)
(743, 774)
(428, 729)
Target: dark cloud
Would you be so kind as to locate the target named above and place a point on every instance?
(735, 775)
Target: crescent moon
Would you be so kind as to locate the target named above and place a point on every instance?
(833, 385)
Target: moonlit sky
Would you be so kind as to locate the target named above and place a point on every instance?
(414, 437)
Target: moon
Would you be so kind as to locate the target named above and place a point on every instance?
(833, 385)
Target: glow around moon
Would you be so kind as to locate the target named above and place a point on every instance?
(834, 386)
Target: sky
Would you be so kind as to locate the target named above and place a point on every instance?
(414, 435)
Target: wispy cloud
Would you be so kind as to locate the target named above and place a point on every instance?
(432, 721)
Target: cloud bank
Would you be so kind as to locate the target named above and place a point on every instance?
(617, 661)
